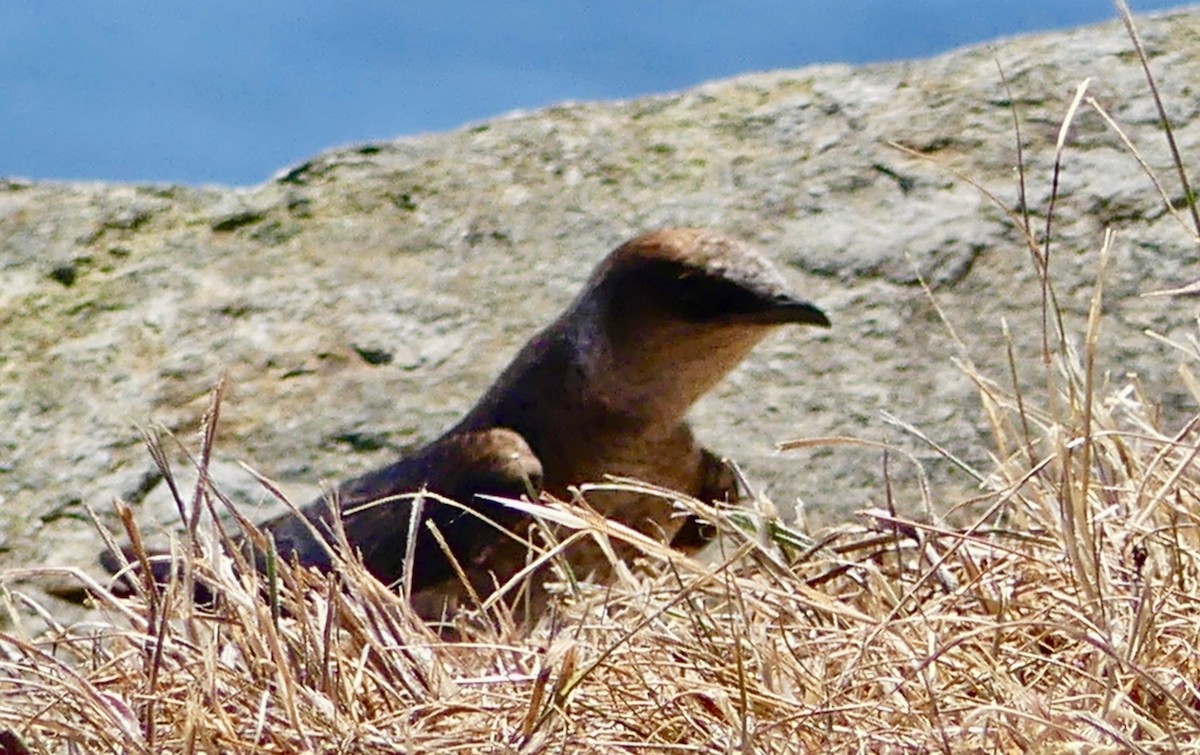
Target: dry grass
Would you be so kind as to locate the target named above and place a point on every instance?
(1065, 617)
(1062, 619)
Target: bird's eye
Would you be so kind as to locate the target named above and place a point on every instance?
(685, 292)
(696, 297)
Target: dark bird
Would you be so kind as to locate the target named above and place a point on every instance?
(602, 390)
(377, 507)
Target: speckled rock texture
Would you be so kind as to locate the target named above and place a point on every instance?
(361, 301)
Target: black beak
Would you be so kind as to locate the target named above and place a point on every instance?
(783, 309)
(800, 312)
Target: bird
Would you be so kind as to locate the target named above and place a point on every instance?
(375, 508)
(603, 390)
(376, 512)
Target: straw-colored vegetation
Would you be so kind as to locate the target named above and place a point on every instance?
(1062, 617)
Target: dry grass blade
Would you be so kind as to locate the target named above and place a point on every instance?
(1164, 121)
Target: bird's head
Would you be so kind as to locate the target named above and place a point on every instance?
(671, 312)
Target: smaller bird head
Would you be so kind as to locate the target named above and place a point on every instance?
(496, 461)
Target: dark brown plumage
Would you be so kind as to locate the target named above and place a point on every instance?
(602, 390)
(461, 466)
(377, 511)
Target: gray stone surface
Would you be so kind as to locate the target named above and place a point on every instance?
(361, 301)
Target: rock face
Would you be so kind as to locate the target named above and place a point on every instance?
(361, 301)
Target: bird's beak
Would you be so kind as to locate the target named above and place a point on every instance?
(803, 313)
(783, 309)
